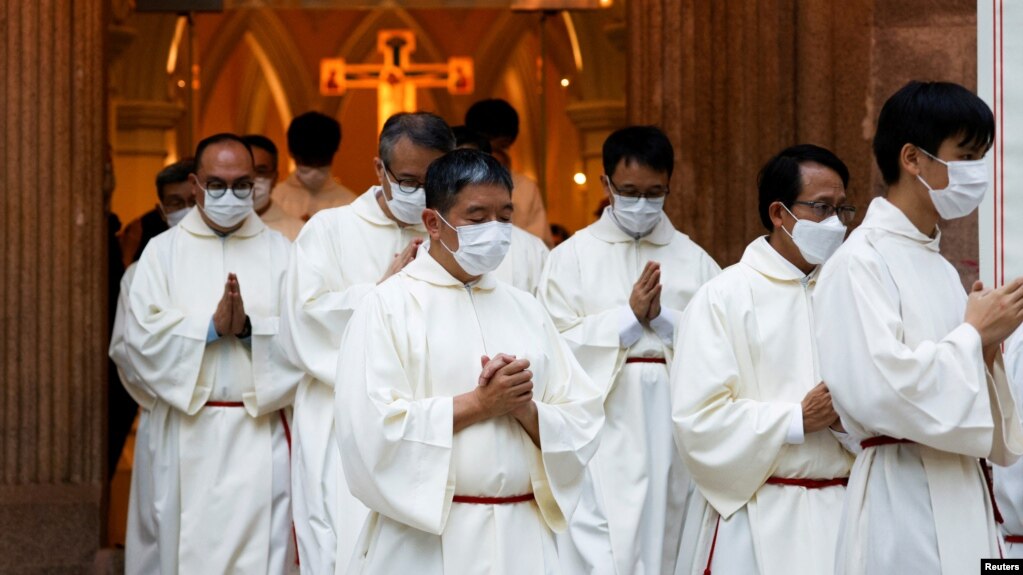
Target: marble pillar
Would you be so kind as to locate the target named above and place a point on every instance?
(53, 285)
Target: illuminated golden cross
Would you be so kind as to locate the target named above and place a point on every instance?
(397, 79)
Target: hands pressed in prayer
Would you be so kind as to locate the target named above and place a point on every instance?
(818, 412)
(995, 313)
(509, 387)
(402, 259)
(525, 413)
(229, 317)
(645, 299)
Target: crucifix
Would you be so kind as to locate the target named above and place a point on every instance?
(397, 78)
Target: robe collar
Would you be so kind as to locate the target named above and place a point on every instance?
(883, 215)
(194, 223)
(367, 208)
(606, 229)
(762, 257)
(426, 268)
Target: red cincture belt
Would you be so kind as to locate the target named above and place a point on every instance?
(797, 482)
(494, 500)
(885, 440)
(808, 483)
(1014, 538)
(645, 360)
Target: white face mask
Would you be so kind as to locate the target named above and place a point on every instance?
(228, 210)
(817, 241)
(637, 216)
(481, 247)
(174, 218)
(261, 193)
(313, 178)
(406, 207)
(967, 183)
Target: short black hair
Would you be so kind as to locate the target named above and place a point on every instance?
(780, 179)
(175, 173)
(421, 128)
(263, 143)
(926, 114)
(647, 145)
(451, 173)
(493, 118)
(313, 139)
(466, 138)
(218, 139)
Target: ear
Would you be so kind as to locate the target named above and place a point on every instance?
(432, 224)
(776, 211)
(605, 184)
(197, 194)
(909, 159)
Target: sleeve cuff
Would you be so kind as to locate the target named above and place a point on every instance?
(794, 436)
(665, 323)
(211, 333)
(629, 328)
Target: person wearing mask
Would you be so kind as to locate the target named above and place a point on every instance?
(616, 290)
(911, 360)
(313, 141)
(201, 339)
(464, 421)
(753, 420)
(264, 153)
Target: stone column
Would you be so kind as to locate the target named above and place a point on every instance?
(52, 288)
(733, 82)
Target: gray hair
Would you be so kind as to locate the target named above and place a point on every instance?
(421, 128)
(454, 171)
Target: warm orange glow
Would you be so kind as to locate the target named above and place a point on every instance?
(172, 54)
(579, 178)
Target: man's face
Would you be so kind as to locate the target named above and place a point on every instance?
(226, 162)
(951, 150)
(265, 166)
(177, 196)
(407, 166)
(475, 204)
(821, 185)
(631, 178)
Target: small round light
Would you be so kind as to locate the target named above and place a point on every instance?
(181, 83)
(579, 178)
(565, 82)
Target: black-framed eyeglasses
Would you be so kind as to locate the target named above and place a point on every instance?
(406, 185)
(824, 210)
(654, 193)
(216, 189)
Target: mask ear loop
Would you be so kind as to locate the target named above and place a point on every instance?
(450, 226)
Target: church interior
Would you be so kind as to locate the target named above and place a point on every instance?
(132, 86)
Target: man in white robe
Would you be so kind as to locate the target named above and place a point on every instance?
(1009, 480)
(264, 153)
(751, 414)
(616, 290)
(201, 337)
(313, 141)
(912, 362)
(340, 256)
(463, 419)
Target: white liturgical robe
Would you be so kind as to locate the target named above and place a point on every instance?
(414, 344)
(629, 520)
(1009, 480)
(746, 359)
(214, 431)
(901, 362)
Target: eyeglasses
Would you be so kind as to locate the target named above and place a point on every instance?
(216, 189)
(824, 210)
(406, 185)
(654, 193)
(175, 203)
